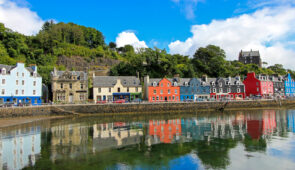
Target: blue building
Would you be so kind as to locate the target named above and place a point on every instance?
(194, 90)
(289, 86)
(20, 84)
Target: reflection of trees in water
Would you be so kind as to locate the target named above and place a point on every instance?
(254, 145)
(214, 154)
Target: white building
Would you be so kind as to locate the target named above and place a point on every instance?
(20, 84)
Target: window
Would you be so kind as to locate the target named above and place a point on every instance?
(99, 90)
(23, 74)
(127, 89)
(82, 96)
(186, 83)
(155, 91)
(3, 71)
(157, 98)
(3, 91)
(23, 92)
(61, 85)
(214, 90)
(23, 82)
(35, 74)
(228, 90)
(220, 90)
(175, 83)
(161, 91)
(110, 90)
(169, 97)
(71, 86)
(161, 97)
(238, 90)
(119, 90)
(154, 84)
(161, 84)
(220, 84)
(257, 89)
(34, 92)
(17, 74)
(168, 84)
(177, 98)
(136, 89)
(16, 82)
(175, 91)
(173, 97)
(82, 86)
(3, 81)
(168, 91)
(16, 92)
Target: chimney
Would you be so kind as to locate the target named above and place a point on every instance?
(204, 78)
(54, 72)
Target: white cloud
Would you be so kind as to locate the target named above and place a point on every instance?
(19, 18)
(267, 30)
(129, 38)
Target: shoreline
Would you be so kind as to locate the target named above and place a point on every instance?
(135, 108)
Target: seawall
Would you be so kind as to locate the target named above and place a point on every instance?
(135, 108)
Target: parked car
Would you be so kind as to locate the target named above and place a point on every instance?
(119, 101)
(101, 102)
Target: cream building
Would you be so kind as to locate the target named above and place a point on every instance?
(112, 88)
(69, 86)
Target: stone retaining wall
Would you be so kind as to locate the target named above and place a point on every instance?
(147, 108)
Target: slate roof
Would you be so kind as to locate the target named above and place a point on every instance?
(249, 53)
(276, 77)
(232, 80)
(9, 68)
(110, 81)
(81, 75)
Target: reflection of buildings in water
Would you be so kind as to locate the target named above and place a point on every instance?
(269, 121)
(116, 134)
(72, 138)
(192, 129)
(19, 148)
(291, 120)
(167, 131)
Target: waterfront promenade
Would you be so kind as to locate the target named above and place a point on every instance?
(139, 108)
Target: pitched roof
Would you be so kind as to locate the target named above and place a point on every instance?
(81, 75)
(250, 53)
(110, 81)
(9, 68)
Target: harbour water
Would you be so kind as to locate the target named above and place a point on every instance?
(257, 139)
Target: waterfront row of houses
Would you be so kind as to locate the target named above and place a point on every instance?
(20, 84)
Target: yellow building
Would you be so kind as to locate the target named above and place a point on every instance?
(112, 88)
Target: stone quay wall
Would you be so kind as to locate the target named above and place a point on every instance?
(139, 108)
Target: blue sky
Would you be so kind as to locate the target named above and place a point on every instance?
(162, 21)
(180, 26)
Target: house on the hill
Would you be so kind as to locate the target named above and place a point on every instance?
(250, 57)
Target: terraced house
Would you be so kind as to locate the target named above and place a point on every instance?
(226, 88)
(20, 84)
(258, 85)
(278, 84)
(193, 89)
(160, 90)
(289, 85)
(69, 86)
(113, 88)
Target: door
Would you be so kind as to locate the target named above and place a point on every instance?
(166, 99)
(71, 98)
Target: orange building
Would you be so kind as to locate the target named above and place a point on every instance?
(166, 130)
(160, 90)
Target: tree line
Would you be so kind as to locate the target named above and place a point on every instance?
(69, 39)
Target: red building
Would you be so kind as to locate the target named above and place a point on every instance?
(166, 130)
(159, 90)
(258, 85)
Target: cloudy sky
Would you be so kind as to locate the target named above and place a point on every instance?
(180, 26)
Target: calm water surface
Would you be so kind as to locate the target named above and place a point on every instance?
(260, 139)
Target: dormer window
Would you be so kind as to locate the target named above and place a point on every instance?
(154, 84)
(3, 71)
(175, 83)
(213, 83)
(186, 83)
(35, 74)
(220, 84)
(237, 83)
